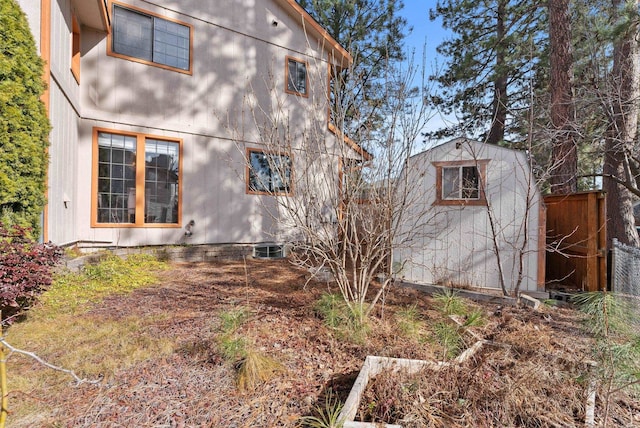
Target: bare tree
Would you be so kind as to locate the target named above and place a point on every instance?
(337, 202)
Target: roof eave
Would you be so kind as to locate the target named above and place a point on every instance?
(341, 55)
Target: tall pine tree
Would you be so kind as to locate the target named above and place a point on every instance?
(24, 126)
(495, 47)
(373, 32)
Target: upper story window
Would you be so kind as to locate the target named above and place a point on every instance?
(150, 39)
(268, 173)
(460, 182)
(296, 77)
(136, 180)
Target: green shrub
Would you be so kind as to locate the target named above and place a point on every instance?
(24, 127)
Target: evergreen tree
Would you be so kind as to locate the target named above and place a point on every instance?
(564, 153)
(373, 32)
(495, 49)
(24, 126)
(623, 123)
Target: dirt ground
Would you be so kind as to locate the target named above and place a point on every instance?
(195, 387)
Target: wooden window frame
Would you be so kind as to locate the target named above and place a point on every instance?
(481, 165)
(139, 180)
(75, 48)
(304, 94)
(110, 37)
(251, 191)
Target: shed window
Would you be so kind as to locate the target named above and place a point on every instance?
(150, 38)
(460, 183)
(296, 76)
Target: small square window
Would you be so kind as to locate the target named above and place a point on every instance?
(458, 183)
(268, 173)
(296, 73)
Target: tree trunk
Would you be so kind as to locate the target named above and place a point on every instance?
(564, 156)
(623, 125)
(500, 100)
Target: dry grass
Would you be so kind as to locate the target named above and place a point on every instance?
(256, 368)
(497, 387)
(164, 366)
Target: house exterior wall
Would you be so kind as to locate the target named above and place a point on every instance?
(236, 82)
(454, 244)
(53, 39)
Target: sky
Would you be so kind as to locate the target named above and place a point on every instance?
(425, 32)
(426, 36)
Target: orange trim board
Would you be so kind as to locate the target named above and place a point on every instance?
(355, 146)
(75, 48)
(45, 53)
(140, 178)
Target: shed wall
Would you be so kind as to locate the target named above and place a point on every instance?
(456, 244)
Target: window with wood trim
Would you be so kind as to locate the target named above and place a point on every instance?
(145, 37)
(136, 180)
(460, 182)
(75, 48)
(296, 76)
(268, 173)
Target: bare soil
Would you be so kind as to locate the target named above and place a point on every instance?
(195, 387)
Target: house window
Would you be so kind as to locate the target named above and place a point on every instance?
(75, 48)
(129, 192)
(268, 173)
(150, 39)
(296, 76)
(460, 183)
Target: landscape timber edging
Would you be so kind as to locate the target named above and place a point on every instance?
(374, 365)
(477, 296)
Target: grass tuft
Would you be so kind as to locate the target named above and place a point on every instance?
(449, 337)
(256, 368)
(327, 416)
(409, 322)
(348, 323)
(449, 302)
(230, 321)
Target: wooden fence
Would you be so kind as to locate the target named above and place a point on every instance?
(576, 257)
